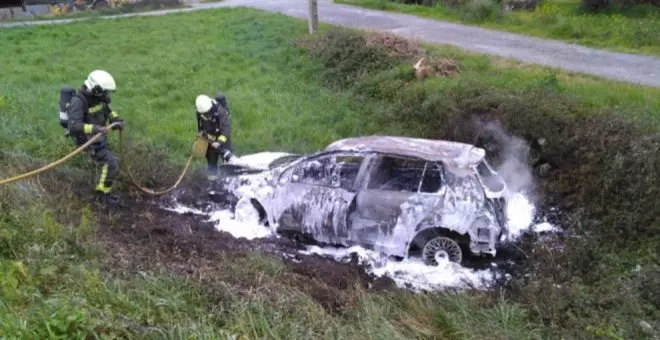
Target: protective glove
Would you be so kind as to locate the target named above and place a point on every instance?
(101, 129)
(215, 145)
(228, 157)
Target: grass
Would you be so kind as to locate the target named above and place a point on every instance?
(54, 282)
(634, 31)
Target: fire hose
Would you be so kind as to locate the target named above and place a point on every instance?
(198, 149)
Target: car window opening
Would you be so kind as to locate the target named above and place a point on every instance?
(405, 174)
(489, 178)
(331, 171)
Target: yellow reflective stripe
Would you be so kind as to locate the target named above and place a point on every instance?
(96, 108)
(114, 114)
(104, 174)
(88, 128)
(221, 138)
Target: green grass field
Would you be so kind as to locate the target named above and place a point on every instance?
(53, 283)
(634, 31)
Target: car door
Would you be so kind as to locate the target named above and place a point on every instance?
(390, 182)
(315, 195)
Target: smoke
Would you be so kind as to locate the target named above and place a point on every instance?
(509, 154)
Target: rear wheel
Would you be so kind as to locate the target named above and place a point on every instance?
(440, 250)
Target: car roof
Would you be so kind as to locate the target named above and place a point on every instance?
(455, 154)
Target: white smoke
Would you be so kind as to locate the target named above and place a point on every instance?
(512, 156)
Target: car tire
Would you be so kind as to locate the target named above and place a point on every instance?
(441, 249)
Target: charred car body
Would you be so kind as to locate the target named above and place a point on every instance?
(401, 196)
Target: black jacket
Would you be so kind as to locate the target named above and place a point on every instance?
(87, 114)
(216, 126)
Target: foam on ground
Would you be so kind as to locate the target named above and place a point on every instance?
(410, 273)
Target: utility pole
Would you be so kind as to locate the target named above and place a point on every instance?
(313, 16)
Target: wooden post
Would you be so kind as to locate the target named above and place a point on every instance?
(313, 16)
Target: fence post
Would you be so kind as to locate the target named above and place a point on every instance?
(313, 16)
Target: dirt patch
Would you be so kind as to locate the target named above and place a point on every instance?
(444, 67)
(142, 237)
(395, 45)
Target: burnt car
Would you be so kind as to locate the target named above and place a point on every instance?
(405, 197)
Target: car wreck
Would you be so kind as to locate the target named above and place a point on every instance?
(405, 197)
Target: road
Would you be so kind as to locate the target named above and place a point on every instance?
(637, 69)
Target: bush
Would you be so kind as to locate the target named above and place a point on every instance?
(427, 3)
(515, 5)
(480, 10)
(150, 4)
(348, 57)
(595, 6)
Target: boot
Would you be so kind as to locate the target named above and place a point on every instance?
(109, 198)
(210, 188)
(210, 184)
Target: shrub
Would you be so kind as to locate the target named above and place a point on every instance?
(594, 6)
(480, 10)
(514, 5)
(427, 3)
(347, 57)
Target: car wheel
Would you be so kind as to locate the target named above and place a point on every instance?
(246, 212)
(441, 249)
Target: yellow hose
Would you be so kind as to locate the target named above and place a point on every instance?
(146, 190)
(194, 152)
(56, 163)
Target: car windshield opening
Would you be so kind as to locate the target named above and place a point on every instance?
(489, 178)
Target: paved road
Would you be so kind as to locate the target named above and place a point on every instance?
(618, 66)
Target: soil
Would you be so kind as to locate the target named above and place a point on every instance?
(140, 236)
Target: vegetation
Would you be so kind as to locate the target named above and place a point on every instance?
(69, 272)
(631, 28)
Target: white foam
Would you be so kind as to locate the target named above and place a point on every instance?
(544, 227)
(520, 214)
(259, 160)
(410, 273)
(181, 209)
(242, 226)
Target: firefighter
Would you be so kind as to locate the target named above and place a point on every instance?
(88, 113)
(213, 123)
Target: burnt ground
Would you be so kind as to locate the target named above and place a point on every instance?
(140, 236)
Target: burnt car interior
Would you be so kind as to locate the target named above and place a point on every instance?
(490, 179)
(336, 171)
(405, 174)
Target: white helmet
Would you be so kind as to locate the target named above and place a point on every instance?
(203, 103)
(101, 79)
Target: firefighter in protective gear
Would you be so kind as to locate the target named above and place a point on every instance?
(214, 124)
(88, 114)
